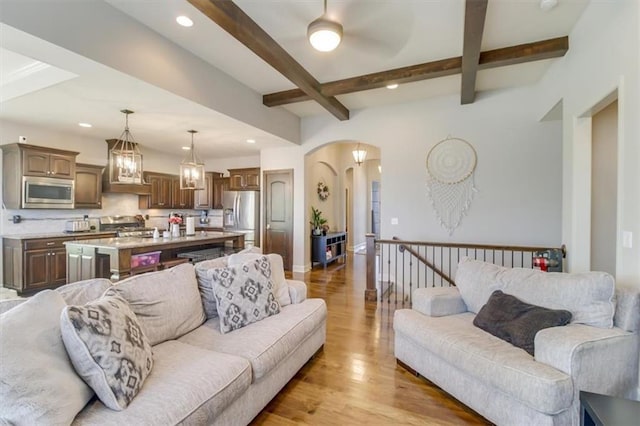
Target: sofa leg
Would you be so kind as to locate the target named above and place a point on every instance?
(318, 352)
(406, 367)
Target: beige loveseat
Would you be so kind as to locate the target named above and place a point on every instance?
(596, 352)
(199, 375)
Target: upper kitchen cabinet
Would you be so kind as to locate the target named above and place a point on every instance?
(244, 179)
(203, 198)
(37, 177)
(161, 191)
(181, 198)
(40, 161)
(88, 190)
(220, 184)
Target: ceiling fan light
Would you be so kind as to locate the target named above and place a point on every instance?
(324, 35)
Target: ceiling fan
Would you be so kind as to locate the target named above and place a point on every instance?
(323, 33)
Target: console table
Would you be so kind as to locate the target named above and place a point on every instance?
(327, 248)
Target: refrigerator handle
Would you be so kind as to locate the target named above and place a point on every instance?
(237, 211)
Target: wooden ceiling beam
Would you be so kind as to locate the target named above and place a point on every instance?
(520, 54)
(232, 19)
(475, 13)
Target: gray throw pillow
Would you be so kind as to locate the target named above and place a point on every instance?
(244, 294)
(204, 284)
(108, 349)
(517, 322)
(38, 384)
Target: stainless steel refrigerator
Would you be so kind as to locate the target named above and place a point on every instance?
(241, 213)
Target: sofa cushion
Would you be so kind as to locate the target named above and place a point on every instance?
(517, 322)
(206, 287)
(38, 384)
(589, 296)
(107, 348)
(244, 294)
(281, 289)
(487, 358)
(187, 385)
(265, 343)
(82, 292)
(167, 303)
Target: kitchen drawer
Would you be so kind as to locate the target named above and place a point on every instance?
(48, 243)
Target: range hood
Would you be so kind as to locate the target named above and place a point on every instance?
(121, 188)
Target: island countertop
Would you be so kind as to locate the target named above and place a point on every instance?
(152, 243)
(85, 257)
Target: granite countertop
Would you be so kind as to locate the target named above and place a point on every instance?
(97, 234)
(137, 242)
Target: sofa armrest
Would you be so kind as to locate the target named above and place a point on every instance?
(601, 360)
(438, 301)
(297, 291)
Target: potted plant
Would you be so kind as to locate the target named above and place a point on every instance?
(317, 221)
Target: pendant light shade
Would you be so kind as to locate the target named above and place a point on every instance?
(324, 34)
(125, 160)
(359, 155)
(191, 169)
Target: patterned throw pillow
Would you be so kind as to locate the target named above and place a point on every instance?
(107, 349)
(244, 294)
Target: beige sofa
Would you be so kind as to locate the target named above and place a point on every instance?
(596, 352)
(199, 375)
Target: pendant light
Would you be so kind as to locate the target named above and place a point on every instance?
(359, 155)
(191, 169)
(125, 160)
(323, 33)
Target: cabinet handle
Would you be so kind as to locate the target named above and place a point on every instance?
(50, 243)
(48, 254)
(53, 254)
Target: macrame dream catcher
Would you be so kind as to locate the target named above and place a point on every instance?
(450, 166)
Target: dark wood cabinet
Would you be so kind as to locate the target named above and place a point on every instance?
(220, 184)
(43, 162)
(19, 159)
(204, 198)
(181, 198)
(161, 191)
(88, 189)
(247, 179)
(33, 264)
(327, 248)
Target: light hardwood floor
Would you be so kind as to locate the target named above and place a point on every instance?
(355, 380)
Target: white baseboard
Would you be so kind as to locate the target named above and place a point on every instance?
(301, 269)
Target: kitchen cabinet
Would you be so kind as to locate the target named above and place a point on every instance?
(88, 186)
(40, 161)
(203, 198)
(247, 179)
(220, 184)
(161, 191)
(33, 264)
(181, 198)
(19, 159)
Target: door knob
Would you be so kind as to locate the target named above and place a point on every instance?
(268, 226)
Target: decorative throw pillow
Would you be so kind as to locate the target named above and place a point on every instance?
(38, 384)
(515, 321)
(108, 349)
(244, 294)
(280, 286)
(204, 284)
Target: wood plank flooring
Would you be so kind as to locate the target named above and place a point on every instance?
(355, 379)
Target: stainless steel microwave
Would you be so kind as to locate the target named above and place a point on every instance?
(47, 193)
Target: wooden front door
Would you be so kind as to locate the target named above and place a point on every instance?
(278, 214)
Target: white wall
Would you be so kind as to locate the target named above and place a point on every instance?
(518, 174)
(603, 58)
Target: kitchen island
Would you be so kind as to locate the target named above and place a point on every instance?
(83, 257)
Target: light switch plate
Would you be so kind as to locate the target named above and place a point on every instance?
(394, 220)
(627, 239)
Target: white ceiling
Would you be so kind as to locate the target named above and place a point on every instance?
(378, 35)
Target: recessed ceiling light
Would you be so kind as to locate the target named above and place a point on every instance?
(547, 5)
(251, 141)
(85, 125)
(184, 21)
(392, 86)
(186, 148)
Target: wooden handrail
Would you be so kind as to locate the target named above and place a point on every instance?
(424, 260)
